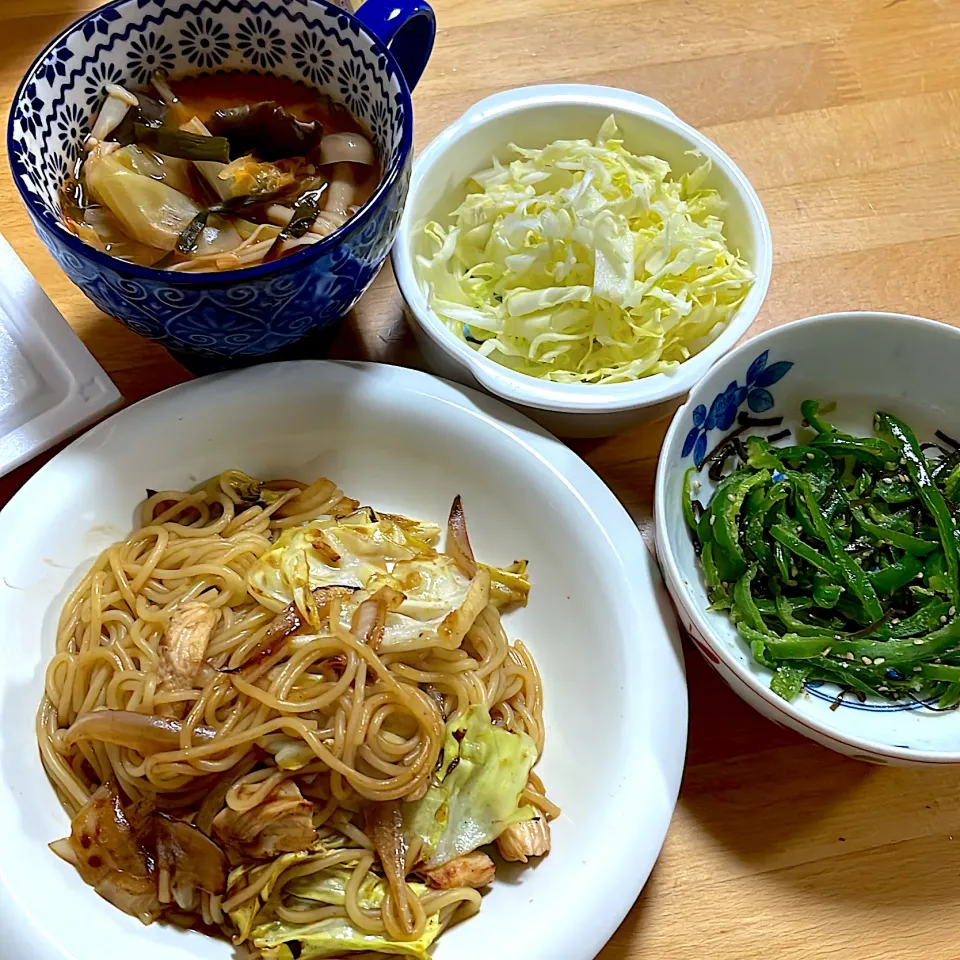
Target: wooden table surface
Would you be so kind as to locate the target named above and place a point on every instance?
(845, 115)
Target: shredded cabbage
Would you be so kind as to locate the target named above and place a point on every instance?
(584, 263)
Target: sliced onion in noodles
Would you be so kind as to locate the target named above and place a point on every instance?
(147, 734)
(458, 542)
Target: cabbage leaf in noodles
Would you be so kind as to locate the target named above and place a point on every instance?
(475, 795)
(365, 555)
(335, 936)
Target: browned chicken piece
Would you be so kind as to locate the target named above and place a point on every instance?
(104, 849)
(283, 823)
(184, 643)
(520, 841)
(140, 859)
(471, 870)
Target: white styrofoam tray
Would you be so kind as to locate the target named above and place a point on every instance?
(50, 385)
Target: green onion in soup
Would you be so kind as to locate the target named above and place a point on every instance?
(217, 172)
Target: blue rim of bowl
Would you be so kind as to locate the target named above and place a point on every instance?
(389, 179)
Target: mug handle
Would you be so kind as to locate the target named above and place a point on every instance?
(407, 28)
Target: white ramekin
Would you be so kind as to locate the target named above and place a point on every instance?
(535, 116)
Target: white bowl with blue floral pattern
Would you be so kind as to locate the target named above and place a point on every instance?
(863, 362)
(369, 60)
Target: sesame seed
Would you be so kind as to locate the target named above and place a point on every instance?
(943, 619)
(825, 652)
(809, 456)
(867, 661)
(895, 620)
(731, 497)
(877, 661)
(886, 479)
(848, 656)
(917, 669)
(903, 477)
(920, 575)
(952, 611)
(918, 642)
(883, 689)
(799, 528)
(713, 520)
(837, 637)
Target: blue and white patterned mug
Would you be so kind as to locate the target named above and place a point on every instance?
(369, 60)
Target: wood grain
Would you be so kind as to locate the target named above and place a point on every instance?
(845, 114)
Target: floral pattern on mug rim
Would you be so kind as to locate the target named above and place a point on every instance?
(725, 405)
(354, 86)
(312, 57)
(94, 87)
(149, 53)
(204, 42)
(260, 42)
(72, 126)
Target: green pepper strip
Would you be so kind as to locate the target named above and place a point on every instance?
(727, 501)
(743, 603)
(718, 593)
(852, 573)
(902, 541)
(825, 592)
(793, 625)
(758, 644)
(939, 671)
(894, 492)
(931, 496)
(950, 696)
(927, 618)
(761, 455)
(891, 652)
(704, 526)
(780, 558)
(951, 487)
(789, 679)
(688, 515)
(795, 545)
(753, 534)
(832, 502)
(890, 579)
(803, 514)
(843, 673)
(811, 413)
(871, 450)
(874, 453)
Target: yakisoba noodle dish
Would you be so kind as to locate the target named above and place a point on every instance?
(293, 722)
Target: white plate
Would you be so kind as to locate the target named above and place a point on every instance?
(599, 624)
(50, 385)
